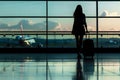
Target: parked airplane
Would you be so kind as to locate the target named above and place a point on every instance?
(21, 41)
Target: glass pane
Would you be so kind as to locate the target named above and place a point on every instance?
(108, 8)
(91, 24)
(60, 24)
(28, 24)
(66, 41)
(66, 24)
(13, 41)
(22, 8)
(109, 41)
(109, 24)
(61, 41)
(65, 8)
(40, 40)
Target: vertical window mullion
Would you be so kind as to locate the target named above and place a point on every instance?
(46, 23)
(96, 23)
(97, 38)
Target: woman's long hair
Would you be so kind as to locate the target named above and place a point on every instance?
(78, 11)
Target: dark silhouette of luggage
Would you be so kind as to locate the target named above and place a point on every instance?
(88, 52)
(88, 48)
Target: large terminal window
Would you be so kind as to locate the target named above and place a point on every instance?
(53, 20)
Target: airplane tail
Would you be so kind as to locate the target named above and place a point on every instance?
(21, 29)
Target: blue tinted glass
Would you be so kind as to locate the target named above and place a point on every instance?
(28, 24)
(22, 8)
(65, 8)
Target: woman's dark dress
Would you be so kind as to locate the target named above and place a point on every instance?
(78, 25)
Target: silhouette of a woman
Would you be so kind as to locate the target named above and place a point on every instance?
(79, 26)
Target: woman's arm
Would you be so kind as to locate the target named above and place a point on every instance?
(85, 24)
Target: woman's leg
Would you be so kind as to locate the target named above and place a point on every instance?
(79, 67)
(77, 41)
(81, 41)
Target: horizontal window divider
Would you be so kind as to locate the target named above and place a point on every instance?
(71, 0)
(107, 0)
(69, 16)
(59, 0)
(56, 33)
(108, 16)
(22, 0)
(23, 17)
(83, 0)
(43, 16)
(47, 0)
(57, 17)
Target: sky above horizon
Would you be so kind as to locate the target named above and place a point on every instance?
(60, 8)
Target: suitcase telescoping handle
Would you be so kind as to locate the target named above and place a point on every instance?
(87, 35)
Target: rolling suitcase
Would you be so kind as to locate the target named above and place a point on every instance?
(88, 48)
(88, 53)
